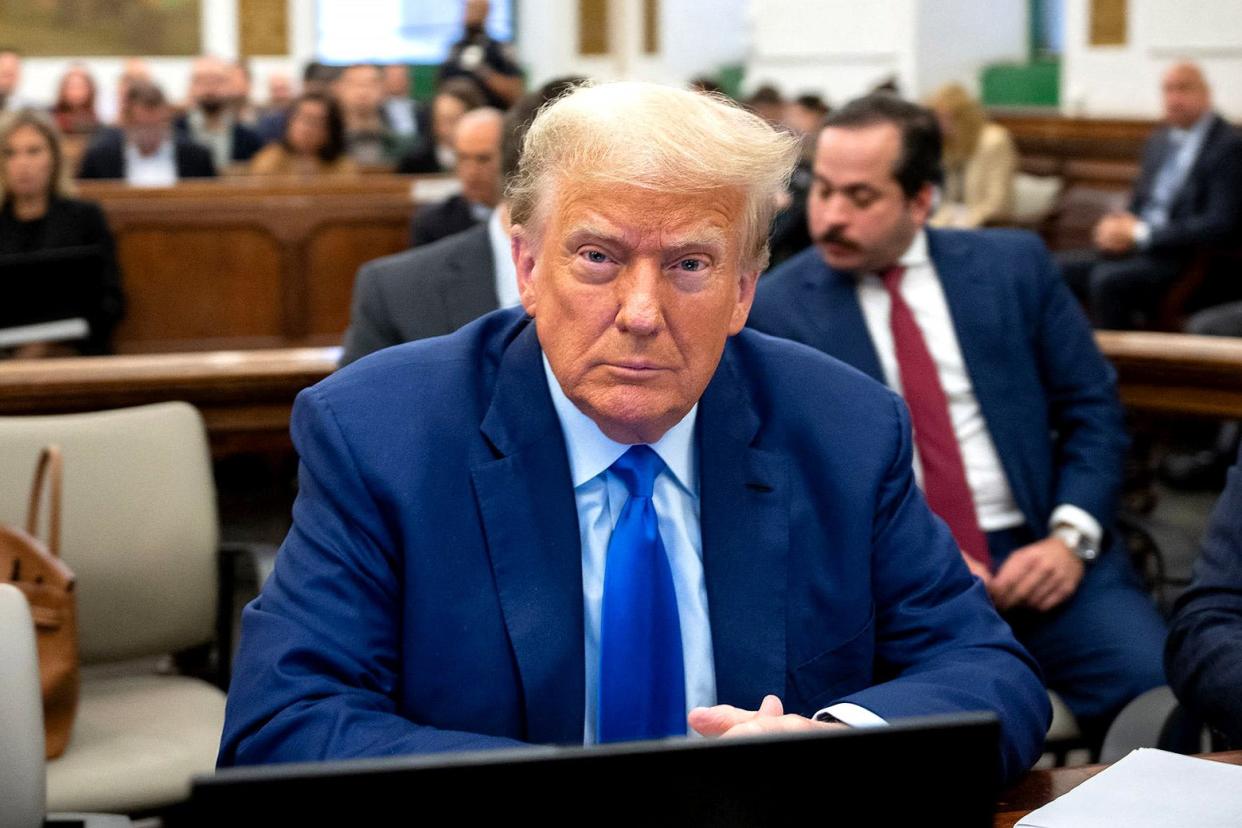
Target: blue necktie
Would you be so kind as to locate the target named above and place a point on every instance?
(642, 690)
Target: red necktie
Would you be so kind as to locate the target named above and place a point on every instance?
(944, 474)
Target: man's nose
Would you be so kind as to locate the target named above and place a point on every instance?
(639, 311)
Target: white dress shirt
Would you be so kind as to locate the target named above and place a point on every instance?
(995, 507)
(156, 170)
(502, 258)
(600, 495)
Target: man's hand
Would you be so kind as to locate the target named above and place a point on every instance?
(1115, 233)
(728, 721)
(1039, 576)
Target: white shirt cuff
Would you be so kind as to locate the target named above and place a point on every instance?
(1080, 519)
(1141, 234)
(853, 715)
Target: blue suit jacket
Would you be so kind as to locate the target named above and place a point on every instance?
(1203, 656)
(429, 594)
(1048, 396)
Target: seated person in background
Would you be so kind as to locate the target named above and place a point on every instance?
(313, 143)
(1204, 652)
(433, 152)
(488, 65)
(406, 117)
(272, 115)
(443, 586)
(74, 110)
(145, 151)
(1188, 195)
(211, 121)
(10, 79)
(789, 235)
(237, 93)
(476, 148)
(36, 214)
(980, 161)
(132, 71)
(768, 103)
(1018, 431)
(369, 140)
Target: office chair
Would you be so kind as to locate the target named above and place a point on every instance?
(139, 529)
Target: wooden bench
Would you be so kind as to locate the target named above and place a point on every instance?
(246, 396)
(251, 262)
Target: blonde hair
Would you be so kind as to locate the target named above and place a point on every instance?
(659, 138)
(59, 184)
(956, 105)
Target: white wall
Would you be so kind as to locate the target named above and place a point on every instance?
(696, 37)
(843, 48)
(1125, 80)
(957, 38)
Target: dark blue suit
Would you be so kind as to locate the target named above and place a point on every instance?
(429, 595)
(1050, 404)
(1204, 653)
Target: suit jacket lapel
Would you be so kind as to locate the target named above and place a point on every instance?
(833, 304)
(744, 519)
(471, 292)
(984, 329)
(526, 500)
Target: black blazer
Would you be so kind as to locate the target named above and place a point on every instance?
(105, 158)
(73, 223)
(1203, 655)
(1208, 207)
(420, 293)
(440, 220)
(421, 158)
(246, 140)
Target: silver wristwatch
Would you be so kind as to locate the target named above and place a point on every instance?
(1078, 542)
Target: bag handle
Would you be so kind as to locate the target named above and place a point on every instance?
(50, 463)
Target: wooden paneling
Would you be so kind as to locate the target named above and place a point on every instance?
(246, 396)
(248, 262)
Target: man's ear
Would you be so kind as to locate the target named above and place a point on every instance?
(921, 204)
(745, 298)
(524, 261)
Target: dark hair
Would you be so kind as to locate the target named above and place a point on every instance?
(464, 90)
(919, 162)
(6, 49)
(813, 102)
(145, 94)
(334, 147)
(766, 94)
(519, 118)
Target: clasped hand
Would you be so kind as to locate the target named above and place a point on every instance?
(729, 721)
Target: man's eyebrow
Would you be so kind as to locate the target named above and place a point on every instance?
(856, 187)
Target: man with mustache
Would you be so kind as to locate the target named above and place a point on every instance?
(1018, 430)
(211, 121)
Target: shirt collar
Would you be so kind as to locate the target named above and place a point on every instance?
(591, 452)
(916, 253)
(502, 262)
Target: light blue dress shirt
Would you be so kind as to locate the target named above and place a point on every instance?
(600, 495)
(1183, 151)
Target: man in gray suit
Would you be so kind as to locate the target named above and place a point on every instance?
(435, 289)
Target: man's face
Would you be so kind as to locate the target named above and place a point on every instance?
(476, 13)
(209, 85)
(858, 215)
(147, 126)
(634, 294)
(360, 90)
(446, 111)
(396, 81)
(10, 73)
(477, 147)
(1186, 96)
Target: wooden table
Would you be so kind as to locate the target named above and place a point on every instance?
(1038, 788)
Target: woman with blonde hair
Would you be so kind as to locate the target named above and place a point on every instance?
(980, 162)
(37, 215)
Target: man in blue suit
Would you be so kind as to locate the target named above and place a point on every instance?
(1204, 653)
(1018, 430)
(613, 514)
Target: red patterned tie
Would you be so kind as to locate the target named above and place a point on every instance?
(944, 474)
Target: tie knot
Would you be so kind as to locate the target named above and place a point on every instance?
(892, 276)
(637, 469)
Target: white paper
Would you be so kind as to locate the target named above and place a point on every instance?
(1150, 789)
(57, 331)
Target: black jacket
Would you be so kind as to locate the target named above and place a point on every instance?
(105, 158)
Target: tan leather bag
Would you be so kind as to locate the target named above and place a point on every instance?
(37, 570)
